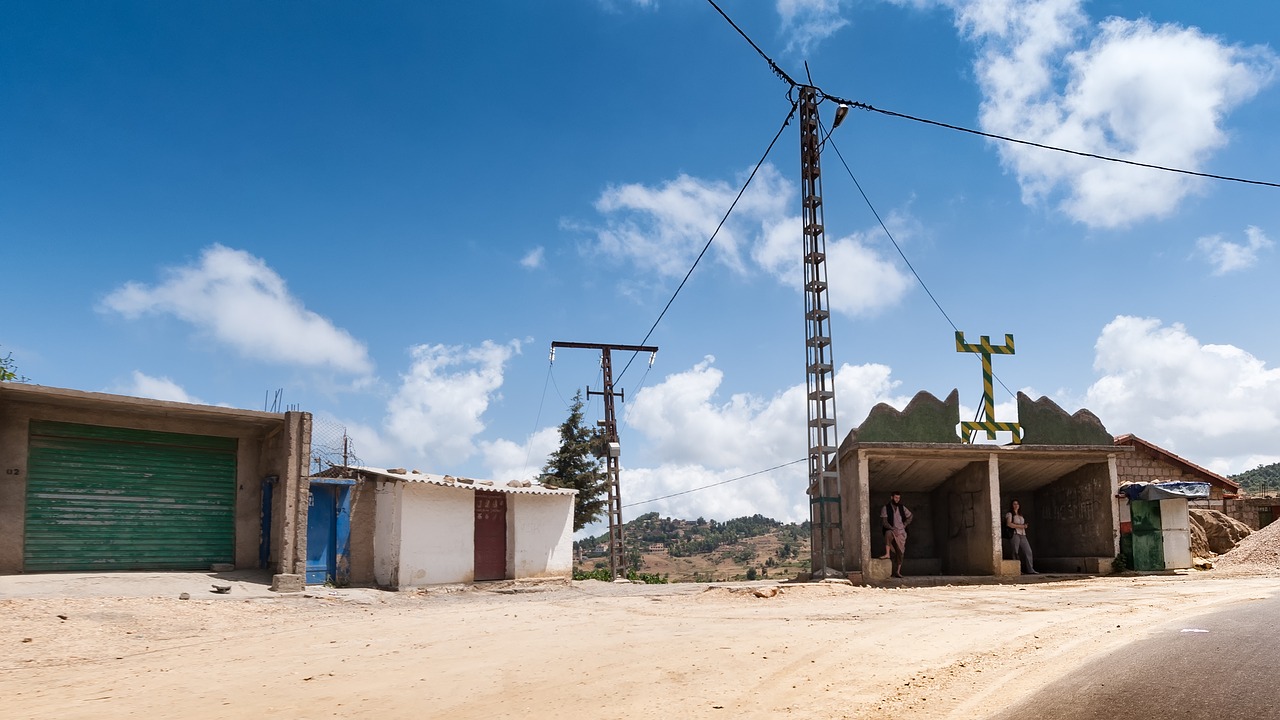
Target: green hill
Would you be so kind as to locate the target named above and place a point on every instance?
(1264, 478)
(704, 550)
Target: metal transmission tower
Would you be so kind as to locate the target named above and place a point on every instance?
(824, 457)
(610, 425)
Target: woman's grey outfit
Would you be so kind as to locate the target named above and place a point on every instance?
(1021, 548)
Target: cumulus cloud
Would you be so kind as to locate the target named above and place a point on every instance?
(437, 412)
(704, 440)
(534, 258)
(240, 301)
(1216, 404)
(156, 388)
(863, 280)
(1134, 89)
(805, 23)
(1225, 256)
(662, 229)
(506, 460)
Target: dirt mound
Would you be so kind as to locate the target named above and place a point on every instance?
(1258, 552)
(1215, 532)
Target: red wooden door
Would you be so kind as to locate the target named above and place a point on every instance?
(491, 535)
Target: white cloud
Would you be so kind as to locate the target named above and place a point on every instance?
(617, 5)
(534, 258)
(662, 230)
(808, 22)
(1132, 89)
(505, 460)
(862, 280)
(156, 388)
(1226, 256)
(703, 440)
(437, 412)
(1216, 405)
(242, 302)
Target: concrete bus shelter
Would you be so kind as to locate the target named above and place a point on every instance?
(1063, 474)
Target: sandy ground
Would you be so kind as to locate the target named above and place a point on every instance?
(127, 646)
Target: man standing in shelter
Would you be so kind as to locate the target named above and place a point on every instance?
(895, 517)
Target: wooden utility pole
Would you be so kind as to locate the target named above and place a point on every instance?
(610, 425)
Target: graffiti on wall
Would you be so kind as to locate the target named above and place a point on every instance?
(960, 512)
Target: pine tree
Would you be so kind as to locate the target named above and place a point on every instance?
(576, 465)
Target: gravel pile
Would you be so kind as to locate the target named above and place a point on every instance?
(1260, 552)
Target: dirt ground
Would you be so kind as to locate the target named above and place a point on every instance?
(104, 648)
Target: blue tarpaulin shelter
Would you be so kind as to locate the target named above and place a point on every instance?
(1166, 490)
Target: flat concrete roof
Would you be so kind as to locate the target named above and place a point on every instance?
(921, 467)
(82, 400)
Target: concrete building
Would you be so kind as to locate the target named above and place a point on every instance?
(1151, 463)
(432, 529)
(1064, 474)
(93, 481)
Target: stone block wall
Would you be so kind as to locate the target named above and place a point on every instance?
(1140, 467)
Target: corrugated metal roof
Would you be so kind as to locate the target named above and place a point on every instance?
(514, 487)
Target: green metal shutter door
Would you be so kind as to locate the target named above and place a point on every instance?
(101, 498)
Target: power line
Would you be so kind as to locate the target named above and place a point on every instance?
(993, 136)
(772, 65)
(889, 235)
(722, 482)
(897, 247)
(1042, 146)
(528, 445)
(734, 204)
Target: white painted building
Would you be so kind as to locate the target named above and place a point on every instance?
(438, 529)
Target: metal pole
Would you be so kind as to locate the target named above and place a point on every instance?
(824, 457)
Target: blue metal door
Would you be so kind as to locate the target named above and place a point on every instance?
(322, 534)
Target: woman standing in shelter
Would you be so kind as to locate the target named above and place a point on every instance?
(1021, 547)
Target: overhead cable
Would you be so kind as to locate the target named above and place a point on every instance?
(897, 247)
(722, 482)
(772, 65)
(1042, 146)
(993, 136)
(756, 169)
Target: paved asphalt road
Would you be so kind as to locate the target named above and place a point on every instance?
(1230, 671)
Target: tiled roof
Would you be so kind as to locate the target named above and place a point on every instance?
(1192, 468)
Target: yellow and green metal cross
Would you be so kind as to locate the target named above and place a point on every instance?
(985, 349)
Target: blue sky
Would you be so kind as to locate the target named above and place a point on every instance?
(388, 211)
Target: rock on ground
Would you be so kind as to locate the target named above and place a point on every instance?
(1215, 532)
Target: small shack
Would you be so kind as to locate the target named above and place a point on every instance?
(1155, 524)
(430, 529)
(1063, 473)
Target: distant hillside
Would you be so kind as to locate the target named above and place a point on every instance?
(1262, 479)
(704, 550)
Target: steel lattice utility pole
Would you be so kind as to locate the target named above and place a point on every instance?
(824, 457)
(610, 425)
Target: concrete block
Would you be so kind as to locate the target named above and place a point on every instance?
(287, 582)
(878, 570)
(1010, 568)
